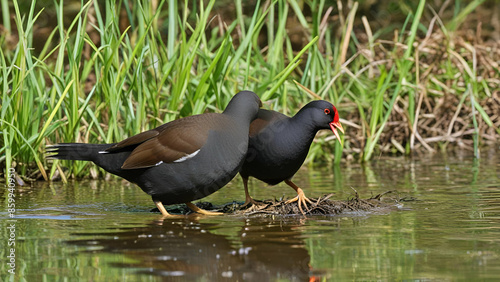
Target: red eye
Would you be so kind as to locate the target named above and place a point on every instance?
(327, 111)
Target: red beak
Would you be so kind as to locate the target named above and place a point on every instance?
(334, 125)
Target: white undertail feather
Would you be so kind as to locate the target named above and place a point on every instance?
(187, 157)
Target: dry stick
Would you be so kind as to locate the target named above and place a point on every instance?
(443, 7)
(371, 54)
(349, 123)
(61, 173)
(422, 141)
(222, 26)
(417, 76)
(463, 62)
(397, 145)
(347, 36)
(308, 91)
(471, 73)
(414, 132)
(324, 20)
(455, 116)
(341, 14)
(343, 69)
(348, 72)
(423, 92)
(451, 138)
(379, 196)
(417, 112)
(442, 85)
(326, 197)
(371, 64)
(323, 27)
(472, 49)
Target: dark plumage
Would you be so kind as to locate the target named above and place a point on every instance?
(279, 144)
(180, 161)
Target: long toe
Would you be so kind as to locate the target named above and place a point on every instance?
(301, 197)
(196, 209)
(255, 206)
(301, 200)
(304, 201)
(249, 202)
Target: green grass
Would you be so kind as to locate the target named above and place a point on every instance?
(168, 64)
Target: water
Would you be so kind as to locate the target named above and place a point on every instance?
(98, 230)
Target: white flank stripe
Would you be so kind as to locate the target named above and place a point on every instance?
(187, 157)
(103, 152)
(158, 163)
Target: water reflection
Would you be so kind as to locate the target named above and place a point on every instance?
(101, 230)
(263, 250)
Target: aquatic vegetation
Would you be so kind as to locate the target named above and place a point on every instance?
(415, 78)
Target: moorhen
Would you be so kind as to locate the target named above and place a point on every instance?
(279, 144)
(180, 161)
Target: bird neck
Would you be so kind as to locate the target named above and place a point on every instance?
(241, 113)
(301, 132)
(240, 117)
(303, 121)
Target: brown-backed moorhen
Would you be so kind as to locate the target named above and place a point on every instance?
(279, 144)
(180, 161)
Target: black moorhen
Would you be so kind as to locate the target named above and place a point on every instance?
(279, 145)
(180, 161)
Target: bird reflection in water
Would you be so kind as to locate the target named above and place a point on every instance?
(255, 249)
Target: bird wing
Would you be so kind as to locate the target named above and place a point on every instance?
(264, 118)
(174, 141)
(133, 140)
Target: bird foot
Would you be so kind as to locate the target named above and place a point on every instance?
(301, 199)
(164, 212)
(255, 207)
(196, 209)
(251, 202)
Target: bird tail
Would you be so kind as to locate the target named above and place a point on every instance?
(76, 151)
